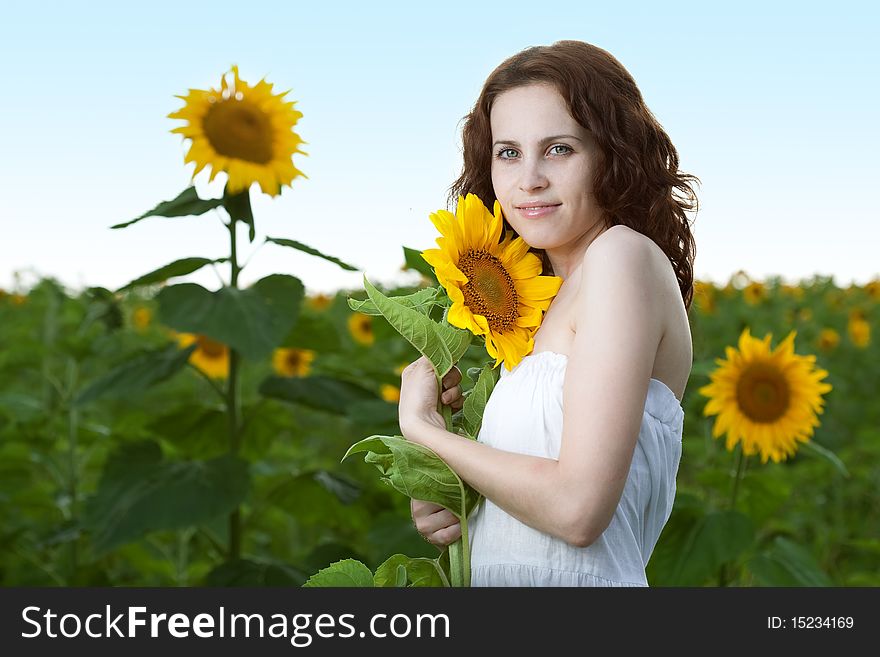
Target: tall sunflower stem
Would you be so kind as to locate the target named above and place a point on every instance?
(740, 470)
(459, 552)
(233, 402)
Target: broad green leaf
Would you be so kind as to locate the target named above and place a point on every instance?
(416, 471)
(475, 402)
(414, 260)
(441, 343)
(315, 332)
(717, 538)
(138, 374)
(238, 206)
(243, 572)
(786, 563)
(346, 573)
(321, 392)
(416, 572)
(423, 301)
(816, 448)
(293, 244)
(141, 492)
(177, 268)
(253, 321)
(187, 203)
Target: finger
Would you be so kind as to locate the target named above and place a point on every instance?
(453, 377)
(435, 522)
(451, 395)
(446, 536)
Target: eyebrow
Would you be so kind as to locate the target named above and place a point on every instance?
(543, 141)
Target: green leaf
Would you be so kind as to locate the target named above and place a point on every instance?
(417, 472)
(137, 375)
(176, 268)
(346, 573)
(252, 321)
(414, 260)
(475, 402)
(187, 203)
(238, 206)
(315, 332)
(831, 457)
(441, 343)
(423, 301)
(717, 538)
(400, 570)
(140, 492)
(293, 244)
(786, 563)
(242, 572)
(321, 392)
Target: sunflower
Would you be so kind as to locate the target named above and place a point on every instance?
(496, 288)
(766, 400)
(794, 291)
(292, 362)
(754, 293)
(319, 301)
(828, 339)
(210, 356)
(242, 130)
(361, 328)
(873, 288)
(859, 330)
(141, 318)
(704, 293)
(390, 393)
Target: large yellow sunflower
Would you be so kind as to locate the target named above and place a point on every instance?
(496, 288)
(766, 400)
(210, 356)
(242, 130)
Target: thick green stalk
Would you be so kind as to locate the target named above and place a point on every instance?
(232, 404)
(459, 552)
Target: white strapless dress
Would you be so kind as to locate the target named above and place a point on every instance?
(524, 415)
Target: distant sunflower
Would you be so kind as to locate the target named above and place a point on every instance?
(873, 288)
(766, 400)
(794, 291)
(242, 130)
(496, 288)
(828, 339)
(141, 318)
(360, 326)
(292, 362)
(390, 393)
(754, 293)
(319, 301)
(704, 293)
(858, 329)
(210, 356)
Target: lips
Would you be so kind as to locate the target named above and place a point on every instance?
(532, 210)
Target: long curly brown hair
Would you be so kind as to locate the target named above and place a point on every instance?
(637, 182)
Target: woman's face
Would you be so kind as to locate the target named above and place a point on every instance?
(540, 154)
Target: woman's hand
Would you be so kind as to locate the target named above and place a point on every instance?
(418, 394)
(435, 523)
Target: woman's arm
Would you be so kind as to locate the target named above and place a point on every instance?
(606, 385)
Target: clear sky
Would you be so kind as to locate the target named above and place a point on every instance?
(773, 105)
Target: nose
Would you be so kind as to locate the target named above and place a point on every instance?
(532, 176)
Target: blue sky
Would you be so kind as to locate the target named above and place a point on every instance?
(773, 105)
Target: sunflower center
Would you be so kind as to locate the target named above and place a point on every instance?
(763, 393)
(239, 129)
(210, 348)
(293, 359)
(490, 290)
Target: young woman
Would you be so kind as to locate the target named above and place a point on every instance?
(580, 442)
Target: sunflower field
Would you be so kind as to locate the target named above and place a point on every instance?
(164, 434)
(134, 484)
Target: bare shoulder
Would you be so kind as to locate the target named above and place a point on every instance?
(628, 264)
